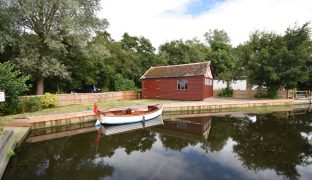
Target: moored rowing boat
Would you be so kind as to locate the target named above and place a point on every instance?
(130, 115)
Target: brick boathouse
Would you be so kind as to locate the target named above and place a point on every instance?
(182, 82)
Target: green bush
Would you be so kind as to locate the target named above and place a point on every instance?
(10, 152)
(48, 100)
(123, 84)
(14, 85)
(261, 95)
(33, 104)
(272, 91)
(227, 92)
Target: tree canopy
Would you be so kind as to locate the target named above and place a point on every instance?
(223, 56)
(277, 61)
(49, 29)
(63, 45)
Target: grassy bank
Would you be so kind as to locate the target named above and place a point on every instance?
(81, 107)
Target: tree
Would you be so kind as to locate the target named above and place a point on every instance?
(9, 30)
(175, 52)
(14, 85)
(216, 36)
(180, 52)
(225, 62)
(49, 27)
(278, 61)
(93, 59)
(122, 84)
(299, 44)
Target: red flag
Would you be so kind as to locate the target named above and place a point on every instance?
(95, 110)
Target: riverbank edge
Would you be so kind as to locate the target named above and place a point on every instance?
(60, 119)
(6, 145)
(45, 121)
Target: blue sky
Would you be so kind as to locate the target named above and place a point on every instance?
(201, 6)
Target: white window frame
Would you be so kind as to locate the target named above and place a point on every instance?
(182, 84)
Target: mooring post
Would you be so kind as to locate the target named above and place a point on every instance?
(310, 93)
(143, 121)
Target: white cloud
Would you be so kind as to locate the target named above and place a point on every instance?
(164, 20)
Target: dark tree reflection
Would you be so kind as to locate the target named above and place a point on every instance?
(221, 129)
(274, 143)
(140, 140)
(65, 158)
(177, 143)
(75, 157)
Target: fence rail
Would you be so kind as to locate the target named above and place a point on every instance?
(294, 94)
(248, 94)
(80, 98)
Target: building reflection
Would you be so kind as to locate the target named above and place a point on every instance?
(188, 126)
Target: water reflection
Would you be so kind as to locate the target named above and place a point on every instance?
(116, 129)
(235, 146)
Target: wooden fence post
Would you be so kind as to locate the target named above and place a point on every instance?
(310, 104)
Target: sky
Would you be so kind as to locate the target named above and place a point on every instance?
(164, 20)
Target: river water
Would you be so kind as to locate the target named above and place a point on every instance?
(235, 146)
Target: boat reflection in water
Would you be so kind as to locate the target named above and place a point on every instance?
(107, 130)
(198, 126)
(116, 129)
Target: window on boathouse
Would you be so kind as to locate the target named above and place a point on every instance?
(182, 84)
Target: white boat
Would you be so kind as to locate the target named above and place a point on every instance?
(129, 115)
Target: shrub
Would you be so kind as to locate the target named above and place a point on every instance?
(227, 92)
(33, 104)
(272, 91)
(30, 104)
(10, 152)
(14, 85)
(48, 100)
(122, 84)
(261, 95)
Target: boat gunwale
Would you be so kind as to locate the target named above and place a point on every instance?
(157, 107)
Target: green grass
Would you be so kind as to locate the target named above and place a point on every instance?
(81, 107)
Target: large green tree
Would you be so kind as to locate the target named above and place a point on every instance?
(225, 62)
(276, 61)
(9, 30)
(50, 27)
(183, 52)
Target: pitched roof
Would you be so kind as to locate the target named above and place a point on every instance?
(182, 70)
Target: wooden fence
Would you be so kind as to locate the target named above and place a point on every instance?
(248, 94)
(294, 94)
(80, 98)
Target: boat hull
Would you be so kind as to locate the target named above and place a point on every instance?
(129, 119)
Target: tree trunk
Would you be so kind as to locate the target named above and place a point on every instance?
(227, 84)
(40, 86)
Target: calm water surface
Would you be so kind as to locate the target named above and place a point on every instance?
(237, 146)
